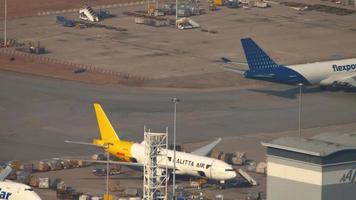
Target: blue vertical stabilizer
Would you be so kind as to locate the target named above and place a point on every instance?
(255, 56)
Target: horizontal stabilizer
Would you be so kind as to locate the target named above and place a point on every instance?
(226, 60)
(235, 70)
(205, 150)
(81, 143)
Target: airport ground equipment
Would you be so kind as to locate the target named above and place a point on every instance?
(155, 176)
(232, 4)
(320, 168)
(261, 4)
(153, 21)
(152, 6)
(88, 14)
(212, 7)
(189, 9)
(65, 22)
(186, 23)
(103, 14)
(247, 177)
(36, 49)
(167, 9)
(219, 2)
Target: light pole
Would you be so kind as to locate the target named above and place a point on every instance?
(300, 110)
(175, 101)
(107, 146)
(176, 10)
(5, 18)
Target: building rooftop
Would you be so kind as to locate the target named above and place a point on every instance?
(320, 145)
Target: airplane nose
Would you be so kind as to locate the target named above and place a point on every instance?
(233, 175)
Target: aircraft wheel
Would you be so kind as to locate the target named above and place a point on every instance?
(221, 187)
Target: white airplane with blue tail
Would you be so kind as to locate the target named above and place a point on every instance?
(327, 74)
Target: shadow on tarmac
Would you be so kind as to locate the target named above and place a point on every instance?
(291, 93)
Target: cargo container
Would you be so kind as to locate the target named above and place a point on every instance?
(34, 181)
(43, 183)
(219, 2)
(23, 177)
(84, 197)
(261, 168)
(42, 166)
(55, 165)
(16, 164)
(27, 168)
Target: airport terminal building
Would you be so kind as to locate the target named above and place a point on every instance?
(319, 168)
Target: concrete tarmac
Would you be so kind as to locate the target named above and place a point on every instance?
(37, 114)
(287, 35)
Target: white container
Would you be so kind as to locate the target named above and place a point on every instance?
(261, 168)
(96, 198)
(43, 183)
(84, 197)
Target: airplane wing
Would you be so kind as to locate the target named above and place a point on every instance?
(205, 150)
(228, 61)
(233, 69)
(104, 162)
(4, 173)
(235, 63)
(103, 146)
(123, 163)
(344, 80)
(82, 143)
(110, 162)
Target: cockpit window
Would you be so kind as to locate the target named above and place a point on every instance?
(229, 170)
(28, 189)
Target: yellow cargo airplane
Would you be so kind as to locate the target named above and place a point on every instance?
(195, 163)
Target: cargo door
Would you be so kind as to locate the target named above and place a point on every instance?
(209, 170)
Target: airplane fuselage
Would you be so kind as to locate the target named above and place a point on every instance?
(186, 163)
(308, 74)
(190, 164)
(314, 73)
(195, 164)
(16, 191)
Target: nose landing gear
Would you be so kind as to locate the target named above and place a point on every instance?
(221, 185)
